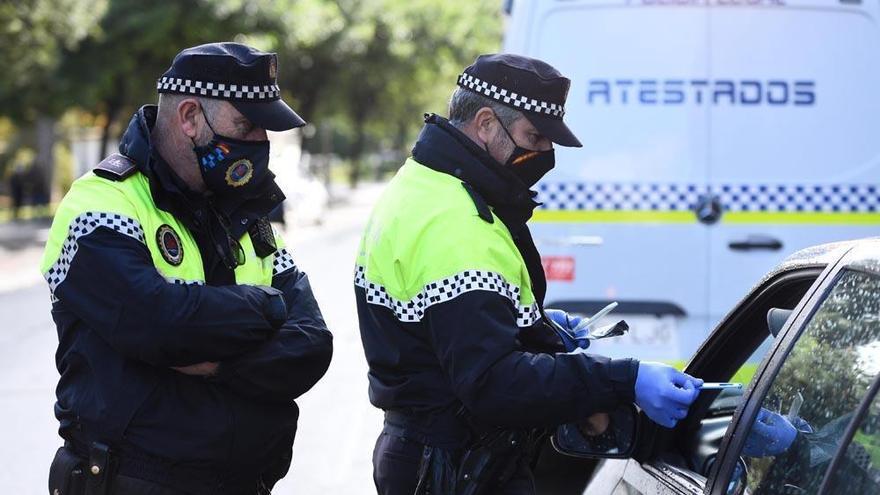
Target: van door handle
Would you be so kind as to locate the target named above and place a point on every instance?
(756, 242)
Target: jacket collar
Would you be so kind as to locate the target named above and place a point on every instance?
(444, 148)
(171, 194)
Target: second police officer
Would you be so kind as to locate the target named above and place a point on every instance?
(450, 293)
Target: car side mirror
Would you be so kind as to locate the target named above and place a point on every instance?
(776, 319)
(610, 435)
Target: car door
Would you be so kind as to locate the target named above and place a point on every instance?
(682, 460)
(801, 415)
(857, 466)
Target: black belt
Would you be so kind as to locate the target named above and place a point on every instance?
(443, 431)
(153, 469)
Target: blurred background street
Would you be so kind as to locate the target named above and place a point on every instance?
(720, 137)
(362, 73)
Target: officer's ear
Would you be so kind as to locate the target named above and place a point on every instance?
(484, 123)
(188, 117)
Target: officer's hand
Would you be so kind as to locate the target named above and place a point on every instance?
(573, 338)
(200, 369)
(563, 319)
(771, 434)
(664, 393)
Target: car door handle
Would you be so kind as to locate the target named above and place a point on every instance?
(573, 240)
(756, 242)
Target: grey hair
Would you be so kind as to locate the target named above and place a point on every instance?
(168, 104)
(464, 105)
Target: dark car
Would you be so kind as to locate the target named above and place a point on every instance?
(805, 343)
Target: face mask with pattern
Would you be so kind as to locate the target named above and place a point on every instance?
(232, 166)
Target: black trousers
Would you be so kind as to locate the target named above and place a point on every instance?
(396, 462)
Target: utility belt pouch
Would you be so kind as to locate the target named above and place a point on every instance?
(67, 473)
(491, 462)
(98, 474)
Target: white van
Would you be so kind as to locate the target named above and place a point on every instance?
(719, 136)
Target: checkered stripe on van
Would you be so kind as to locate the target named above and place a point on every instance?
(616, 196)
(84, 225)
(449, 288)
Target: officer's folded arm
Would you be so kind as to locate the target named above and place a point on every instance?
(113, 286)
(288, 365)
(475, 338)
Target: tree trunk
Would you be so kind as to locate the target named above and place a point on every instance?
(113, 105)
(357, 152)
(45, 158)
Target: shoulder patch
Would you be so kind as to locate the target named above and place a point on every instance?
(262, 237)
(482, 207)
(115, 167)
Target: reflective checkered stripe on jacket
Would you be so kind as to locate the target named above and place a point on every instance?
(425, 245)
(449, 288)
(127, 208)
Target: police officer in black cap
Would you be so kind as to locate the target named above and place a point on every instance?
(185, 329)
(469, 367)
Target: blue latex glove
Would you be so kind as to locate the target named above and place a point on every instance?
(771, 434)
(664, 393)
(571, 338)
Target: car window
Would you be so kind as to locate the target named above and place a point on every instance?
(742, 342)
(811, 401)
(859, 468)
(728, 400)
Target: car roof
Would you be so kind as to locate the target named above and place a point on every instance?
(864, 256)
(858, 253)
(818, 256)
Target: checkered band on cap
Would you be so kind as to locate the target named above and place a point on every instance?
(83, 225)
(511, 98)
(242, 92)
(282, 262)
(449, 288)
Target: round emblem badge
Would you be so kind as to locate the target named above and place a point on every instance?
(169, 244)
(239, 173)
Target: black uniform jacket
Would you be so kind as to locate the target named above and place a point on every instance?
(121, 327)
(469, 351)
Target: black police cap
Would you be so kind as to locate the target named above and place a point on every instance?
(526, 84)
(239, 74)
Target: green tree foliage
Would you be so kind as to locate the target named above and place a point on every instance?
(369, 68)
(115, 70)
(372, 67)
(34, 35)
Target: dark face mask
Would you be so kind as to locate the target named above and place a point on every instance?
(528, 165)
(232, 166)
